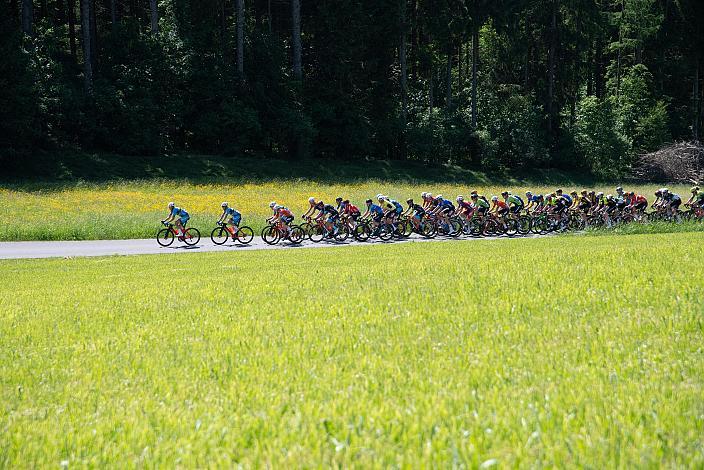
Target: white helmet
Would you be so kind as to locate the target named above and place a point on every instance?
(665, 190)
(460, 198)
(224, 204)
(494, 198)
(439, 196)
(423, 194)
(619, 189)
(311, 200)
(272, 204)
(171, 205)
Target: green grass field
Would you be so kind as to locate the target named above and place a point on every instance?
(562, 351)
(71, 208)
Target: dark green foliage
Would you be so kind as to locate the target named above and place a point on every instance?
(577, 84)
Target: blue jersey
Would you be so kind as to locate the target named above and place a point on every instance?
(568, 200)
(399, 207)
(447, 203)
(231, 212)
(177, 211)
(376, 209)
(536, 199)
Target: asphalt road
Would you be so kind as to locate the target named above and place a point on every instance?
(68, 249)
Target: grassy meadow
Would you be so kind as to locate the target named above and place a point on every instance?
(561, 351)
(80, 204)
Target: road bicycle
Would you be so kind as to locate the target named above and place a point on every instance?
(224, 232)
(165, 236)
(274, 233)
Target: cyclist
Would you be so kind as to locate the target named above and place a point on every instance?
(535, 202)
(498, 207)
(312, 208)
(464, 209)
(636, 203)
(620, 194)
(179, 217)
(583, 204)
(658, 199)
(697, 199)
(373, 212)
(515, 203)
(444, 208)
(282, 215)
(672, 201)
(481, 207)
(350, 211)
(427, 200)
(332, 216)
(232, 216)
(339, 200)
(415, 212)
(566, 199)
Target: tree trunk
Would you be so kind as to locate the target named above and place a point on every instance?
(552, 56)
(403, 64)
(93, 36)
(598, 70)
(695, 95)
(154, 16)
(448, 81)
(27, 17)
(71, 12)
(87, 55)
(431, 100)
(475, 64)
(240, 39)
(296, 19)
(460, 66)
(268, 12)
(113, 13)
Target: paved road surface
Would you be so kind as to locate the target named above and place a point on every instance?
(61, 249)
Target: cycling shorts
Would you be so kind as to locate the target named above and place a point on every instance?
(640, 206)
(236, 219)
(287, 219)
(675, 203)
(516, 208)
(502, 211)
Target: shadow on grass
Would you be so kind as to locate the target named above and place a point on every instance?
(56, 171)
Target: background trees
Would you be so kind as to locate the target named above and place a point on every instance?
(510, 83)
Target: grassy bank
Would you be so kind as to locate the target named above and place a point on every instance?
(569, 350)
(91, 208)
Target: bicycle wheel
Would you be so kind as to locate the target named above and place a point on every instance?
(219, 235)
(165, 237)
(511, 227)
(271, 235)
(476, 227)
(362, 232)
(192, 236)
(405, 228)
(297, 235)
(244, 235)
(316, 233)
(342, 233)
(307, 228)
(386, 232)
(524, 225)
(455, 227)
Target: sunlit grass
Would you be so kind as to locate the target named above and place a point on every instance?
(133, 209)
(554, 352)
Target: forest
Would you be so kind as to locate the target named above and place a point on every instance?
(487, 84)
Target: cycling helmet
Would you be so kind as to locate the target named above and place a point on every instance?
(528, 194)
(554, 194)
(278, 206)
(599, 194)
(338, 199)
(573, 193)
(695, 189)
(474, 193)
(272, 204)
(474, 196)
(311, 200)
(171, 205)
(658, 192)
(460, 199)
(591, 193)
(665, 190)
(619, 189)
(609, 197)
(494, 198)
(224, 204)
(558, 191)
(346, 201)
(380, 196)
(505, 194)
(368, 201)
(423, 194)
(631, 193)
(409, 201)
(439, 196)
(584, 192)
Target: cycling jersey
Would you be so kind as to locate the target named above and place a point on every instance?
(177, 211)
(584, 202)
(501, 205)
(397, 205)
(418, 209)
(231, 212)
(284, 212)
(320, 206)
(536, 199)
(700, 198)
(481, 203)
(465, 206)
(375, 209)
(515, 200)
(567, 200)
(388, 205)
(329, 209)
(351, 209)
